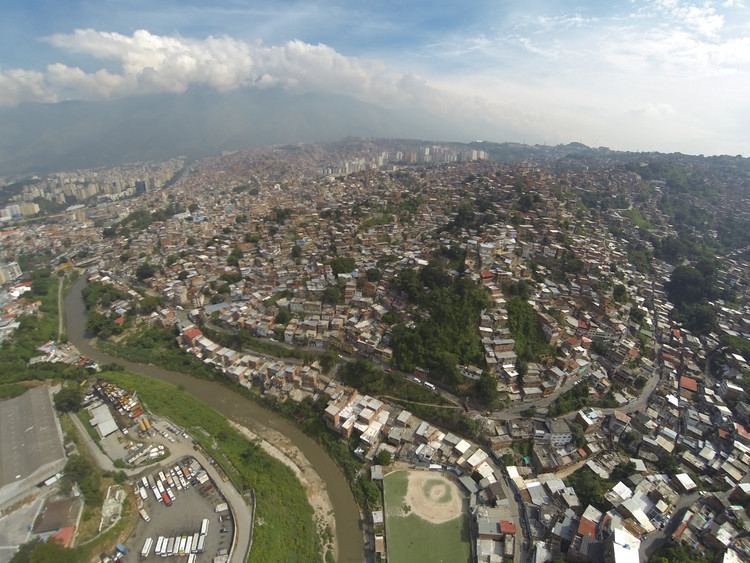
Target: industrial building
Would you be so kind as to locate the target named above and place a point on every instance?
(30, 441)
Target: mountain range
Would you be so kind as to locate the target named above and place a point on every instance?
(39, 138)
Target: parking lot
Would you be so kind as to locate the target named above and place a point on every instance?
(185, 514)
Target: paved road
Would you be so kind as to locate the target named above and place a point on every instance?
(514, 508)
(60, 312)
(642, 400)
(178, 450)
(658, 538)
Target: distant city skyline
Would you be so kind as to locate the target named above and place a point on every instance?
(659, 75)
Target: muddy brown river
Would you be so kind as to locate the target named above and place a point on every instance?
(244, 411)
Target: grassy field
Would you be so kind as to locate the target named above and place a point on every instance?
(288, 532)
(410, 538)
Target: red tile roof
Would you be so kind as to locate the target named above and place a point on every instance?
(688, 384)
(65, 536)
(193, 333)
(741, 430)
(587, 528)
(507, 527)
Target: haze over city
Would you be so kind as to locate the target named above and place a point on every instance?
(640, 75)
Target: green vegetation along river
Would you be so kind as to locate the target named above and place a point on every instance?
(246, 413)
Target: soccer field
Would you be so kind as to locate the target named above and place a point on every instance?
(425, 518)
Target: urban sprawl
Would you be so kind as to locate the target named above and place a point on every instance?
(601, 408)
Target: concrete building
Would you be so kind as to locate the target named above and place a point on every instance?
(30, 441)
(9, 272)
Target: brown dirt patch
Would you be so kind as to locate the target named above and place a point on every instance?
(433, 497)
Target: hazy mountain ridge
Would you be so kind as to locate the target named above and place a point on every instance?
(40, 138)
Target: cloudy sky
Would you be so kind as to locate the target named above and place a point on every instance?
(664, 75)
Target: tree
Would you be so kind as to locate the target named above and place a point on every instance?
(296, 252)
(464, 216)
(433, 275)
(234, 257)
(408, 282)
(637, 315)
(50, 551)
(579, 437)
(486, 389)
(391, 317)
(329, 359)
(374, 274)
(283, 316)
(622, 471)
(68, 399)
(619, 293)
(384, 457)
(589, 487)
(668, 464)
(525, 203)
(342, 265)
(689, 285)
(149, 304)
(364, 375)
(145, 271)
(332, 294)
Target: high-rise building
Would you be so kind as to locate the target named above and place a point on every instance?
(9, 272)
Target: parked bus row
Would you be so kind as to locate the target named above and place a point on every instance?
(162, 484)
(180, 546)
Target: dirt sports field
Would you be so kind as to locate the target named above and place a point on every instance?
(426, 518)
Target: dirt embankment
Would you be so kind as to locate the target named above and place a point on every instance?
(317, 494)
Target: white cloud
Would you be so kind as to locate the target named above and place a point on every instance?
(152, 63)
(17, 86)
(674, 70)
(703, 19)
(653, 111)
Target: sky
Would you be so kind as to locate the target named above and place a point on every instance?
(665, 75)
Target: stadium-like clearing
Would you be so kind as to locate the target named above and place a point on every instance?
(425, 518)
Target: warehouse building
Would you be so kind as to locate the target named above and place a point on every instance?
(31, 444)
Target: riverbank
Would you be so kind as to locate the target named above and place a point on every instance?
(287, 453)
(249, 414)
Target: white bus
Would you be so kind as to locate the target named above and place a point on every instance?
(170, 548)
(188, 545)
(194, 547)
(159, 545)
(147, 547)
(204, 527)
(201, 544)
(183, 541)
